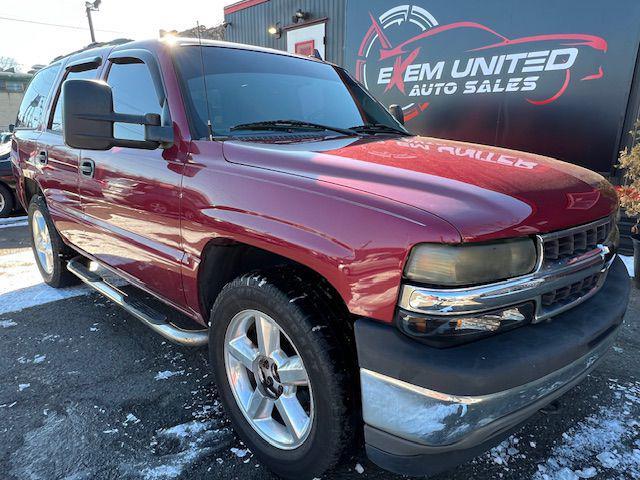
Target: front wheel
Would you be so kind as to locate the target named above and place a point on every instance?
(285, 379)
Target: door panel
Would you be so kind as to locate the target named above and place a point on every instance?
(132, 204)
(131, 199)
(58, 165)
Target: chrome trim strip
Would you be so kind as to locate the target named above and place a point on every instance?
(438, 419)
(544, 279)
(489, 297)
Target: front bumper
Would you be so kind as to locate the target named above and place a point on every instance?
(427, 409)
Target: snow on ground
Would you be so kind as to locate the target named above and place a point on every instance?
(10, 220)
(168, 374)
(194, 440)
(628, 261)
(13, 222)
(21, 285)
(22, 223)
(605, 444)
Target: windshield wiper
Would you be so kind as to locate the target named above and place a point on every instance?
(373, 128)
(291, 124)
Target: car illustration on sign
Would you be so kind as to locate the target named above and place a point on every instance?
(408, 58)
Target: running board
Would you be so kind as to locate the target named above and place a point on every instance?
(143, 312)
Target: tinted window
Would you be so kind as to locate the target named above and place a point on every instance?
(244, 86)
(134, 93)
(32, 108)
(56, 122)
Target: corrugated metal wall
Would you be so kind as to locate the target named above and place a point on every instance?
(250, 25)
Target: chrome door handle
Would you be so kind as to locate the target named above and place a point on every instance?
(87, 167)
(42, 158)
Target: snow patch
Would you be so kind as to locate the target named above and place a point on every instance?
(602, 442)
(37, 359)
(167, 374)
(588, 472)
(359, 468)
(12, 220)
(23, 386)
(628, 262)
(608, 459)
(196, 440)
(186, 430)
(7, 323)
(131, 418)
(15, 224)
(21, 285)
(240, 452)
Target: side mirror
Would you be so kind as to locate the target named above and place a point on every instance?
(88, 118)
(12, 128)
(397, 113)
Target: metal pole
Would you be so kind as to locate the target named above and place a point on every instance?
(93, 35)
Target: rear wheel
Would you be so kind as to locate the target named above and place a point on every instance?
(285, 379)
(49, 250)
(6, 201)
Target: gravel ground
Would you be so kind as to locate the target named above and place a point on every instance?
(87, 392)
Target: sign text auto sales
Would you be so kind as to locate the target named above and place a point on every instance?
(514, 72)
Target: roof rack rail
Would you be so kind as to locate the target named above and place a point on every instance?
(91, 46)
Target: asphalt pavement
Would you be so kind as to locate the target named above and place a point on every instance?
(87, 392)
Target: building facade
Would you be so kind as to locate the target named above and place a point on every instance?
(12, 87)
(557, 79)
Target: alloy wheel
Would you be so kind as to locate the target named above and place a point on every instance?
(268, 379)
(42, 241)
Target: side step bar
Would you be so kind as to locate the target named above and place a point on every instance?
(147, 315)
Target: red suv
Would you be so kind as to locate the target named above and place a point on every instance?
(346, 276)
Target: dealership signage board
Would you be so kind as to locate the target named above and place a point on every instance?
(551, 79)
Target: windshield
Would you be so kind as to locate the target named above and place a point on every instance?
(245, 87)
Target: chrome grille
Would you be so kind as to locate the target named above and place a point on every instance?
(576, 241)
(570, 293)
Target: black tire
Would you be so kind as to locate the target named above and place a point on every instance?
(8, 202)
(59, 277)
(316, 326)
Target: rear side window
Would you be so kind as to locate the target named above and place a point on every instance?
(56, 121)
(32, 108)
(133, 93)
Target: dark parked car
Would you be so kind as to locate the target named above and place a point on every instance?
(347, 276)
(7, 182)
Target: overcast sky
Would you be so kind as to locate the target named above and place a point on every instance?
(31, 43)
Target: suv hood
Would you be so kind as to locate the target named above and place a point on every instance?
(485, 192)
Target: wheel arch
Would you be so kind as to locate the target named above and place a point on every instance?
(224, 259)
(30, 188)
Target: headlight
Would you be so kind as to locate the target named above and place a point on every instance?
(471, 264)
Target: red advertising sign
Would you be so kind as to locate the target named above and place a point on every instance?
(306, 48)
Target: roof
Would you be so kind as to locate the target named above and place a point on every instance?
(94, 47)
(241, 5)
(121, 44)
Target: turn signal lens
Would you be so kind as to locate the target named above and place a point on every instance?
(447, 331)
(471, 264)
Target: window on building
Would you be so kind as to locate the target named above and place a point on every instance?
(32, 108)
(14, 86)
(133, 93)
(56, 121)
